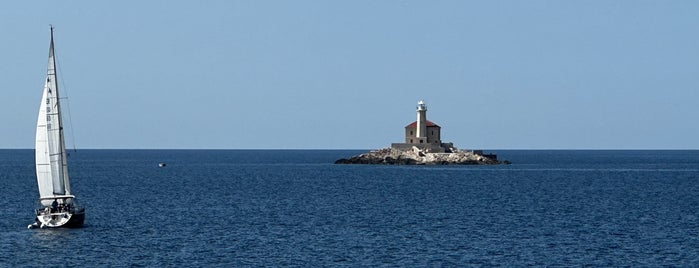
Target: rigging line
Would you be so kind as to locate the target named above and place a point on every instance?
(67, 102)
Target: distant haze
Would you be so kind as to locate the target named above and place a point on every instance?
(348, 74)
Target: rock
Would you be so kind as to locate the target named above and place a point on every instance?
(389, 156)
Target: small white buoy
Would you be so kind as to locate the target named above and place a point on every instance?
(162, 164)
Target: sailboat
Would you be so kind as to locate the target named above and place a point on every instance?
(58, 207)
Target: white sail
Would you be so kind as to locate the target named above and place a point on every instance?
(51, 165)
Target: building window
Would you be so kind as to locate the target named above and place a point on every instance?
(411, 140)
(421, 141)
(411, 132)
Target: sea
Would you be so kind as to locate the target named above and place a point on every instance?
(295, 208)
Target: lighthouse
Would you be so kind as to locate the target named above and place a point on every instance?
(423, 134)
(421, 131)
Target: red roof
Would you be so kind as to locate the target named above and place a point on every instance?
(429, 124)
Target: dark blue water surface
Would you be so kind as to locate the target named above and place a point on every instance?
(295, 208)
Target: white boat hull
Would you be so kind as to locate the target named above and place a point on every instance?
(69, 219)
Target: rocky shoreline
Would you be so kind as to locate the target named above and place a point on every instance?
(391, 156)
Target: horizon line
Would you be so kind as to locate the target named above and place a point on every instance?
(355, 149)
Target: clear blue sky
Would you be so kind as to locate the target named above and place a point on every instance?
(347, 74)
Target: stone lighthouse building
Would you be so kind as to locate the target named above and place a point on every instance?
(423, 134)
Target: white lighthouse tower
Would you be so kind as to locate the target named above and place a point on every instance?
(421, 130)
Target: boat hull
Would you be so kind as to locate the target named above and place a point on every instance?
(63, 219)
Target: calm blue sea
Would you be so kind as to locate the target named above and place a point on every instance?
(235, 208)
